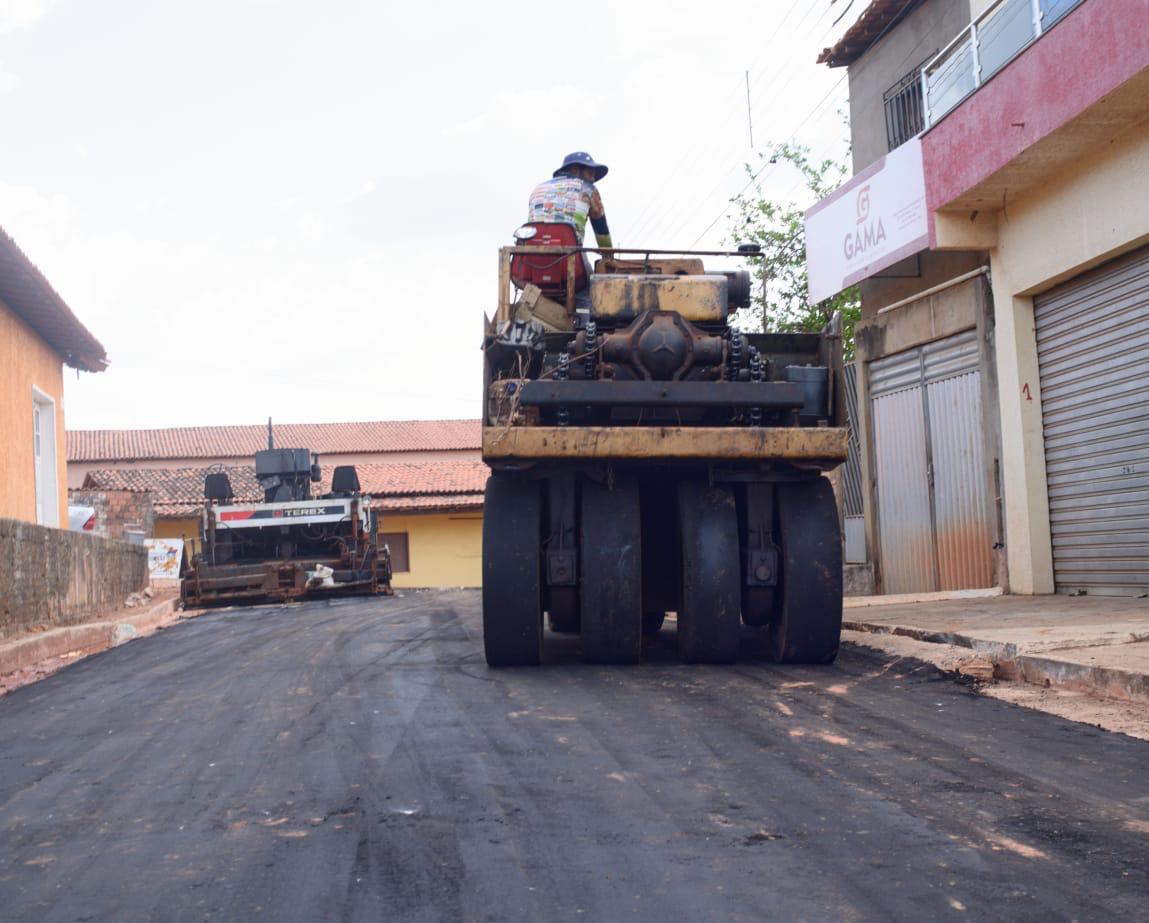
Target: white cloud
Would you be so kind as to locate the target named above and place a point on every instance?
(309, 224)
(470, 127)
(17, 14)
(33, 220)
(511, 106)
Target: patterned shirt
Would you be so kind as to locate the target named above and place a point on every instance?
(565, 200)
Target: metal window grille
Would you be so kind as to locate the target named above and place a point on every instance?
(903, 104)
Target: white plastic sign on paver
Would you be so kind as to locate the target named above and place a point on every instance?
(164, 557)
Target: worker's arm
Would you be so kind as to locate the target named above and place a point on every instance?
(598, 223)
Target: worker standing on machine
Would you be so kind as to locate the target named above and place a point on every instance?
(570, 197)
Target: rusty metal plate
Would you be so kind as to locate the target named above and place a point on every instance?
(696, 298)
(822, 445)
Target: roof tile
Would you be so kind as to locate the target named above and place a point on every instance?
(178, 492)
(244, 441)
(25, 291)
(872, 25)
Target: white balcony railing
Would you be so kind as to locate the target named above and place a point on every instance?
(989, 43)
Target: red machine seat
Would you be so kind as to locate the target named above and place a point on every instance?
(549, 271)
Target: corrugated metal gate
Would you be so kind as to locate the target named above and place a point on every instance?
(934, 511)
(1093, 352)
(853, 523)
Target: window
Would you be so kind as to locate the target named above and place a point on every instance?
(44, 459)
(400, 556)
(903, 105)
(1001, 35)
(1053, 10)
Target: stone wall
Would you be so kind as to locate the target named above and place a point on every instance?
(118, 511)
(53, 577)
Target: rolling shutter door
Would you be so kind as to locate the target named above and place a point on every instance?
(1093, 354)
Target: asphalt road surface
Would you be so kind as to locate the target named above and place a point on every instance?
(357, 760)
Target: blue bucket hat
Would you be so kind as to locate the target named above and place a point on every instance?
(582, 159)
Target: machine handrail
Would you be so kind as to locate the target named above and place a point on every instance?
(567, 251)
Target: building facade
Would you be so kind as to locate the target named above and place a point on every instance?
(1005, 425)
(39, 335)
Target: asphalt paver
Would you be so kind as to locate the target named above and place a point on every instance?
(356, 759)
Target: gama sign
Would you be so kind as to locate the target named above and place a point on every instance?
(867, 225)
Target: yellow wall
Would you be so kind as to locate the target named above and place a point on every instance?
(27, 361)
(187, 529)
(445, 548)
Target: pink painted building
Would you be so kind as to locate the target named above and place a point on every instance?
(1002, 402)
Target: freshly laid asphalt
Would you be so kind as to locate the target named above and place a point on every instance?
(356, 759)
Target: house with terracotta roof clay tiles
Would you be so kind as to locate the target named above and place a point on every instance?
(425, 476)
(39, 335)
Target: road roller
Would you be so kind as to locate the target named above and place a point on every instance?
(649, 459)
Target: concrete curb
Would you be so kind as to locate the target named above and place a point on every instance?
(1107, 682)
(89, 638)
(904, 599)
(995, 649)
(1039, 669)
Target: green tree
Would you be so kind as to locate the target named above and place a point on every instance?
(780, 281)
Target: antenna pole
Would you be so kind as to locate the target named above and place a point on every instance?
(270, 438)
(749, 119)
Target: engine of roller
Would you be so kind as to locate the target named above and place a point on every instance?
(660, 334)
(666, 328)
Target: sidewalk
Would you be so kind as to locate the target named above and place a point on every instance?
(1097, 645)
(36, 654)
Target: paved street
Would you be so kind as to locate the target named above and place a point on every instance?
(357, 760)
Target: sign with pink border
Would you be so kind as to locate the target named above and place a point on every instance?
(868, 224)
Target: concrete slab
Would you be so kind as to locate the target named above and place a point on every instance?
(862, 601)
(972, 613)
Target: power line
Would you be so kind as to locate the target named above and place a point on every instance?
(664, 215)
(896, 18)
(655, 211)
(771, 160)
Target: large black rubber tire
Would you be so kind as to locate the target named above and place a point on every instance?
(652, 623)
(808, 626)
(709, 624)
(563, 610)
(512, 573)
(758, 605)
(610, 570)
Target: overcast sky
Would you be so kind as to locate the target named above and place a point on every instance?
(285, 208)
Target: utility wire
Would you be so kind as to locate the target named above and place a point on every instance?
(772, 160)
(662, 208)
(689, 159)
(666, 214)
(896, 18)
